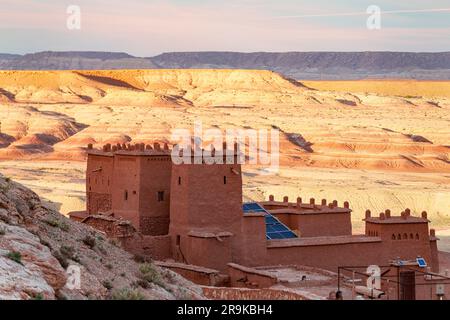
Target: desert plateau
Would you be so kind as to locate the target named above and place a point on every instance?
(376, 143)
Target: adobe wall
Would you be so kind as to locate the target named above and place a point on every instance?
(215, 293)
(405, 231)
(202, 199)
(209, 252)
(322, 224)
(244, 277)
(196, 274)
(254, 243)
(332, 256)
(125, 197)
(428, 288)
(156, 247)
(206, 198)
(154, 208)
(98, 183)
(113, 228)
(435, 256)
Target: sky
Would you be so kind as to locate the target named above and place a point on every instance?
(150, 27)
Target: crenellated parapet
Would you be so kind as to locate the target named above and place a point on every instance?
(312, 205)
(404, 217)
(131, 149)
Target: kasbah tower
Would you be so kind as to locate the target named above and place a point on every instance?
(191, 217)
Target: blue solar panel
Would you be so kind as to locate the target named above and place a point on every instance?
(421, 262)
(274, 228)
(252, 207)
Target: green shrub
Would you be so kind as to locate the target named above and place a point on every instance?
(64, 254)
(2, 231)
(89, 241)
(15, 256)
(150, 274)
(107, 284)
(127, 294)
(37, 296)
(139, 258)
(63, 261)
(64, 226)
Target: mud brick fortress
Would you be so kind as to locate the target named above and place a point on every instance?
(192, 218)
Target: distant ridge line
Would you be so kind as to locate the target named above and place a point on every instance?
(319, 65)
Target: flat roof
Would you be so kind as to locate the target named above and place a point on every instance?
(396, 220)
(305, 208)
(151, 152)
(321, 241)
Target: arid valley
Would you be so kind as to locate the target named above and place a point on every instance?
(378, 144)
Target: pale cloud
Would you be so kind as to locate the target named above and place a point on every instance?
(150, 27)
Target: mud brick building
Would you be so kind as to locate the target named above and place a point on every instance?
(193, 215)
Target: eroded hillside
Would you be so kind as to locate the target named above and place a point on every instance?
(56, 113)
(38, 244)
(375, 148)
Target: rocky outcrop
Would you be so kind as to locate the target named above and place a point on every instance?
(44, 255)
(28, 268)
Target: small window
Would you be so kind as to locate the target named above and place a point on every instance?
(393, 237)
(399, 237)
(417, 236)
(178, 240)
(224, 179)
(126, 195)
(160, 196)
(179, 181)
(411, 236)
(405, 236)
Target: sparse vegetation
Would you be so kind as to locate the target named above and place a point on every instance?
(141, 258)
(141, 283)
(149, 273)
(127, 294)
(15, 256)
(45, 243)
(89, 241)
(107, 284)
(2, 231)
(37, 296)
(64, 226)
(101, 249)
(64, 254)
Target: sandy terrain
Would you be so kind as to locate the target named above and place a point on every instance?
(400, 88)
(377, 144)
